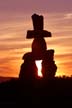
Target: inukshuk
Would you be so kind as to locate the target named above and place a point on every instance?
(39, 52)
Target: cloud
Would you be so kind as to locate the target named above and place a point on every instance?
(68, 16)
(68, 56)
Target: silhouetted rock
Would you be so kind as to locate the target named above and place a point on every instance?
(39, 52)
(38, 31)
(39, 48)
(28, 69)
(37, 34)
(48, 69)
(37, 22)
(48, 64)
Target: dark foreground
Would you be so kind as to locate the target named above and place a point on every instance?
(34, 92)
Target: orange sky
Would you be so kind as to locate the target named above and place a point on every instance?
(13, 42)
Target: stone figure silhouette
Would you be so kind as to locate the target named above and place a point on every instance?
(39, 52)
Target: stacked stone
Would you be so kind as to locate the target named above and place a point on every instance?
(39, 52)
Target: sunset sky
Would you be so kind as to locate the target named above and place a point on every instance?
(15, 20)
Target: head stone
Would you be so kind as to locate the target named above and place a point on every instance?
(38, 28)
(37, 22)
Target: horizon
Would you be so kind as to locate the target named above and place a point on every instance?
(15, 20)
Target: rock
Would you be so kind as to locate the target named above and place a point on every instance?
(28, 69)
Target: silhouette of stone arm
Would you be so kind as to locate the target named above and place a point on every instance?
(38, 31)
